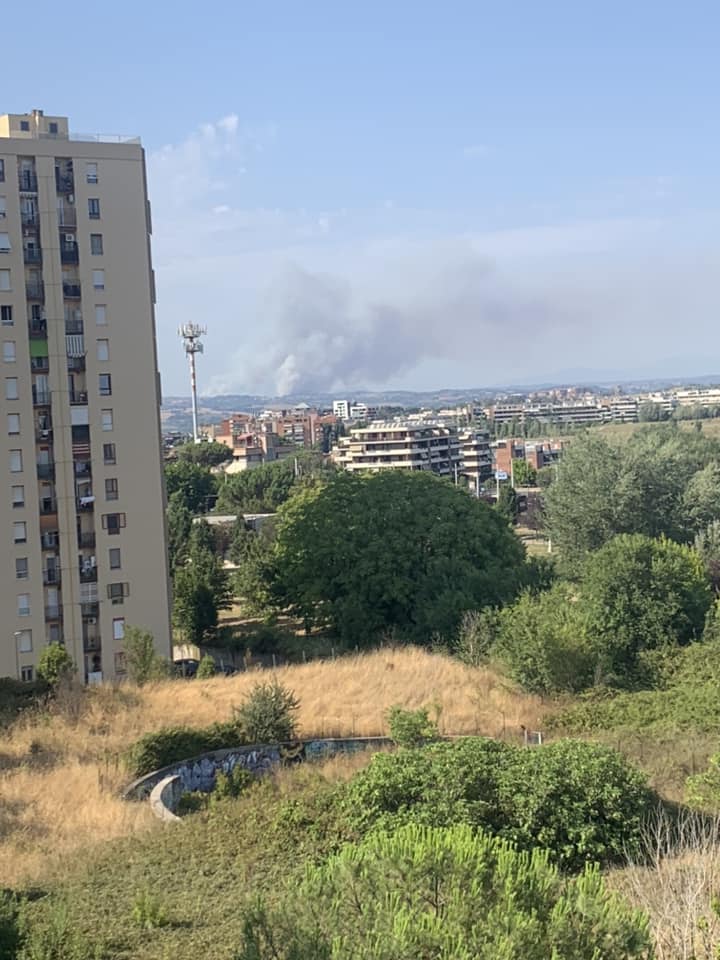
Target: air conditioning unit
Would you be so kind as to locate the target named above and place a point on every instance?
(71, 198)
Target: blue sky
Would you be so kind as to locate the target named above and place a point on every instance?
(408, 194)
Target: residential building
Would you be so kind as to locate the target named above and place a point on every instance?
(397, 445)
(475, 457)
(82, 513)
(341, 409)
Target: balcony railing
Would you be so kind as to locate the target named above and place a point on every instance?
(49, 540)
(86, 540)
(73, 327)
(76, 364)
(32, 255)
(86, 503)
(91, 643)
(35, 290)
(69, 253)
(78, 396)
(27, 181)
(38, 329)
(53, 612)
(46, 471)
(88, 575)
(83, 468)
(48, 506)
(29, 218)
(51, 577)
(71, 291)
(89, 608)
(39, 364)
(41, 398)
(43, 434)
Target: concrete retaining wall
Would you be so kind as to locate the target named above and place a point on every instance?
(164, 798)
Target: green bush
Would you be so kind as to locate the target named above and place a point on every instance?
(231, 785)
(148, 911)
(9, 925)
(172, 744)
(582, 801)
(56, 937)
(268, 713)
(411, 728)
(193, 801)
(206, 668)
(446, 894)
(54, 664)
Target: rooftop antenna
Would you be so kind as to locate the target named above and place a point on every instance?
(190, 334)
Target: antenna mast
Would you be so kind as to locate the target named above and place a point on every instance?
(190, 334)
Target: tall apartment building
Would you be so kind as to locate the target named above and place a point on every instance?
(82, 505)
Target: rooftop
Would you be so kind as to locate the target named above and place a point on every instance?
(37, 126)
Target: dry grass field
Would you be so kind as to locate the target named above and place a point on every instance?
(61, 773)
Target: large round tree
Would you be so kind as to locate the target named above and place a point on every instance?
(395, 550)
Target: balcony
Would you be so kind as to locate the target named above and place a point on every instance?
(43, 434)
(39, 364)
(78, 397)
(88, 575)
(64, 182)
(49, 540)
(32, 255)
(27, 182)
(71, 291)
(91, 643)
(46, 471)
(76, 364)
(37, 329)
(86, 540)
(30, 218)
(51, 577)
(86, 503)
(69, 253)
(48, 506)
(89, 608)
(53, 612)
(35, 290)
(73, 327)
(41, 398)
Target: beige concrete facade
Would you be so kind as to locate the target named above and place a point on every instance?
(82, 512)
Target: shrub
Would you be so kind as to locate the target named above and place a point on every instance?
(193, 801)
(449, 894)
(582, 801)
(172, 744)
(143, 662)
(9, 925)
(55, 664)
(477, 633)
(267, 714)
(56, 938)
(411, 728)
(148, 911)
(206, 668)
(231, 785)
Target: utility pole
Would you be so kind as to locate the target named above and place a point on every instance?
(190, 334)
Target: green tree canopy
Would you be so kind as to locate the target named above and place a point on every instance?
(201, 589)
(391, 550)
(207, 453)
(191, 483)
(640, 594)
(179, 525)
(54, 663)
(524, 474)
(263, 489)
(446, 894)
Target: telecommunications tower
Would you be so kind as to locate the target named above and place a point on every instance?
(190, 334)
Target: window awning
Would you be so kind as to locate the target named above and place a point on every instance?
(38, 348)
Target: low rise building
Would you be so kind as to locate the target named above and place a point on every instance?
(398, 445)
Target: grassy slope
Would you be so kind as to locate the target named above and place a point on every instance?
(60, 775)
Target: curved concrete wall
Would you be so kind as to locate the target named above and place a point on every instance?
(164, 798)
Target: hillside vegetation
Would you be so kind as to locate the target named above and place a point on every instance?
(61, 772)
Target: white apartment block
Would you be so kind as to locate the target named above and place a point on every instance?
(341, 409)
(399, 446)
(82, 507)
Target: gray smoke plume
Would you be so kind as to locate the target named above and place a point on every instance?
(326, 337)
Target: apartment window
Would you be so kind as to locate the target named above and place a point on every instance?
(103, 350)
(9, 351)
(20, 532)
(13, 424)
(109, 453)
(11, 388)
(24, 641)
(52, 128)
(114, 554)
(21, 568)
(2, 171)
(3, 208)
(96, 244)
(25, 126)
(94, 208)
(26, 674)
(98, 279)
(119, 628)
(105, 384)
(113, 522)
(106, 419)
(6, 315)
(23, 604)
(111, 488)
(54, 633)
(16, 461)
(4, 279)
(91, 172)
(101, 314)
(117, 592)
(4, 243)
(18, 496)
